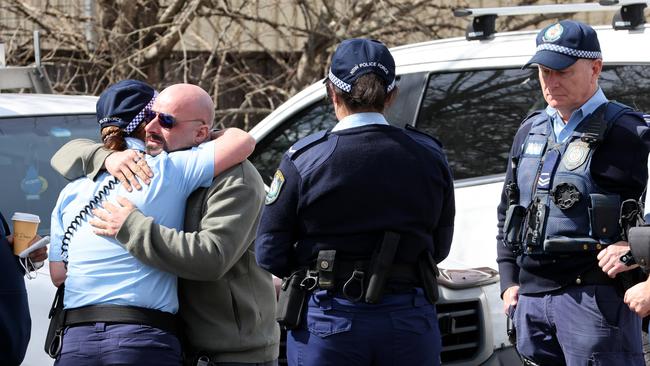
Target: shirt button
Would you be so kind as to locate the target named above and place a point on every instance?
(578, 281)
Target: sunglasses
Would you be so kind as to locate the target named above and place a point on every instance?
(166, 120)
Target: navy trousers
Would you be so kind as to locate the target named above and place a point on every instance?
(576, 326)
(401, 330)
(102, 344)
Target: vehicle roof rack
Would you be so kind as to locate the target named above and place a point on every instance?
(629, 15)
(33, 78)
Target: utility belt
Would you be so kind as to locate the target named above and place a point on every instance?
(123, 315)
(356, 280)
(351, 279)
(525, 227)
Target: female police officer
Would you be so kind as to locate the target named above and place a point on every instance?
(363, 212)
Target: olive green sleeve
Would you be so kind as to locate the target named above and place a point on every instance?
(80, 157)
(228, 224)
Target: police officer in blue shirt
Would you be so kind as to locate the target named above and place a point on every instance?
(360, 215)
(572, 165)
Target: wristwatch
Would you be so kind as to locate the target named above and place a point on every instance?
(628, 259)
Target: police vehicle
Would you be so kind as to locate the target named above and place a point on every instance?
(472, 94)
(469, 92)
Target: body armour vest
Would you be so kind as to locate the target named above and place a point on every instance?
(566, 210)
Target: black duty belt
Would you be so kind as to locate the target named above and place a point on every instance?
(594, 276)
(122, 314)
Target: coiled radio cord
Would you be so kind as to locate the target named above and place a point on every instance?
(83, 215)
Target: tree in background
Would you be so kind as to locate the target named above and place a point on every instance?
(250, 55)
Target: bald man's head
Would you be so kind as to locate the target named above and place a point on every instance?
(193, 111)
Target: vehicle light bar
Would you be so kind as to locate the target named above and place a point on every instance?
(628, 16)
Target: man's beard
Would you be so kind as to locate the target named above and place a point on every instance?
(155, 149)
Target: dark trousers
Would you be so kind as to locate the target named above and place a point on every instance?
(578, 326)
(101, 344)
(401, 330)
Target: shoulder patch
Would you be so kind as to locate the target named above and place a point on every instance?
(411, 128)
(306, 142)
(276, 186)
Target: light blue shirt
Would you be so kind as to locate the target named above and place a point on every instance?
(564, 130)
(360, 119)
(100, 270)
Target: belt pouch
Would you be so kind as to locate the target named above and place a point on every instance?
(325, 267)
(292, 301)
(604, 212)
(429, 276)
(54, 337)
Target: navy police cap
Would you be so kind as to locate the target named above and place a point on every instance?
(356, 57)
(561, 44)
(123, 104)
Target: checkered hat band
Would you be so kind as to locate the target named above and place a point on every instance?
(339, 83)
(347, 87)
(135, 122)
(568, 51)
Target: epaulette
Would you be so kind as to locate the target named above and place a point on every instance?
(411, 128)
(531, 115)
(306, 142)
(616, 109)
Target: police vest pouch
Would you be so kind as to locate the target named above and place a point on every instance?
(292, 301)
(639, 239)
(513, 227)
(604, 212)
(563, 244)
(54, 337)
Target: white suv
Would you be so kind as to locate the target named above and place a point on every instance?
(472, 95)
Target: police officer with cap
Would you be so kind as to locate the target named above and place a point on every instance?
(571, 166)
(360, 215)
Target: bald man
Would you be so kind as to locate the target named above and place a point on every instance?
(227, 303)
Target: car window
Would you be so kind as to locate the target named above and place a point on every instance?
(268, 152)
(476, 113)
(27, 182)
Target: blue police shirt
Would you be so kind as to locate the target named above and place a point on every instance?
(100, 270)
(564, 130)
(343, 190)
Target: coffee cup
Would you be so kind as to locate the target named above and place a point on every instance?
(25, 227)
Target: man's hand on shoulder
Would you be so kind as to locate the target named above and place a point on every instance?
(126, 166)
(109, 221)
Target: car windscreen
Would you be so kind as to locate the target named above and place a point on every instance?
(27, 182)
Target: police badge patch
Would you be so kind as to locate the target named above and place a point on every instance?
(553, 33)
(276, 186)
(575, 154)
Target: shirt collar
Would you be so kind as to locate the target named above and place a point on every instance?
(564, 130)
(586, 109)
(134, 144)
(360, 119)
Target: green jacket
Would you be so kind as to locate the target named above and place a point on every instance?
(227, 302)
